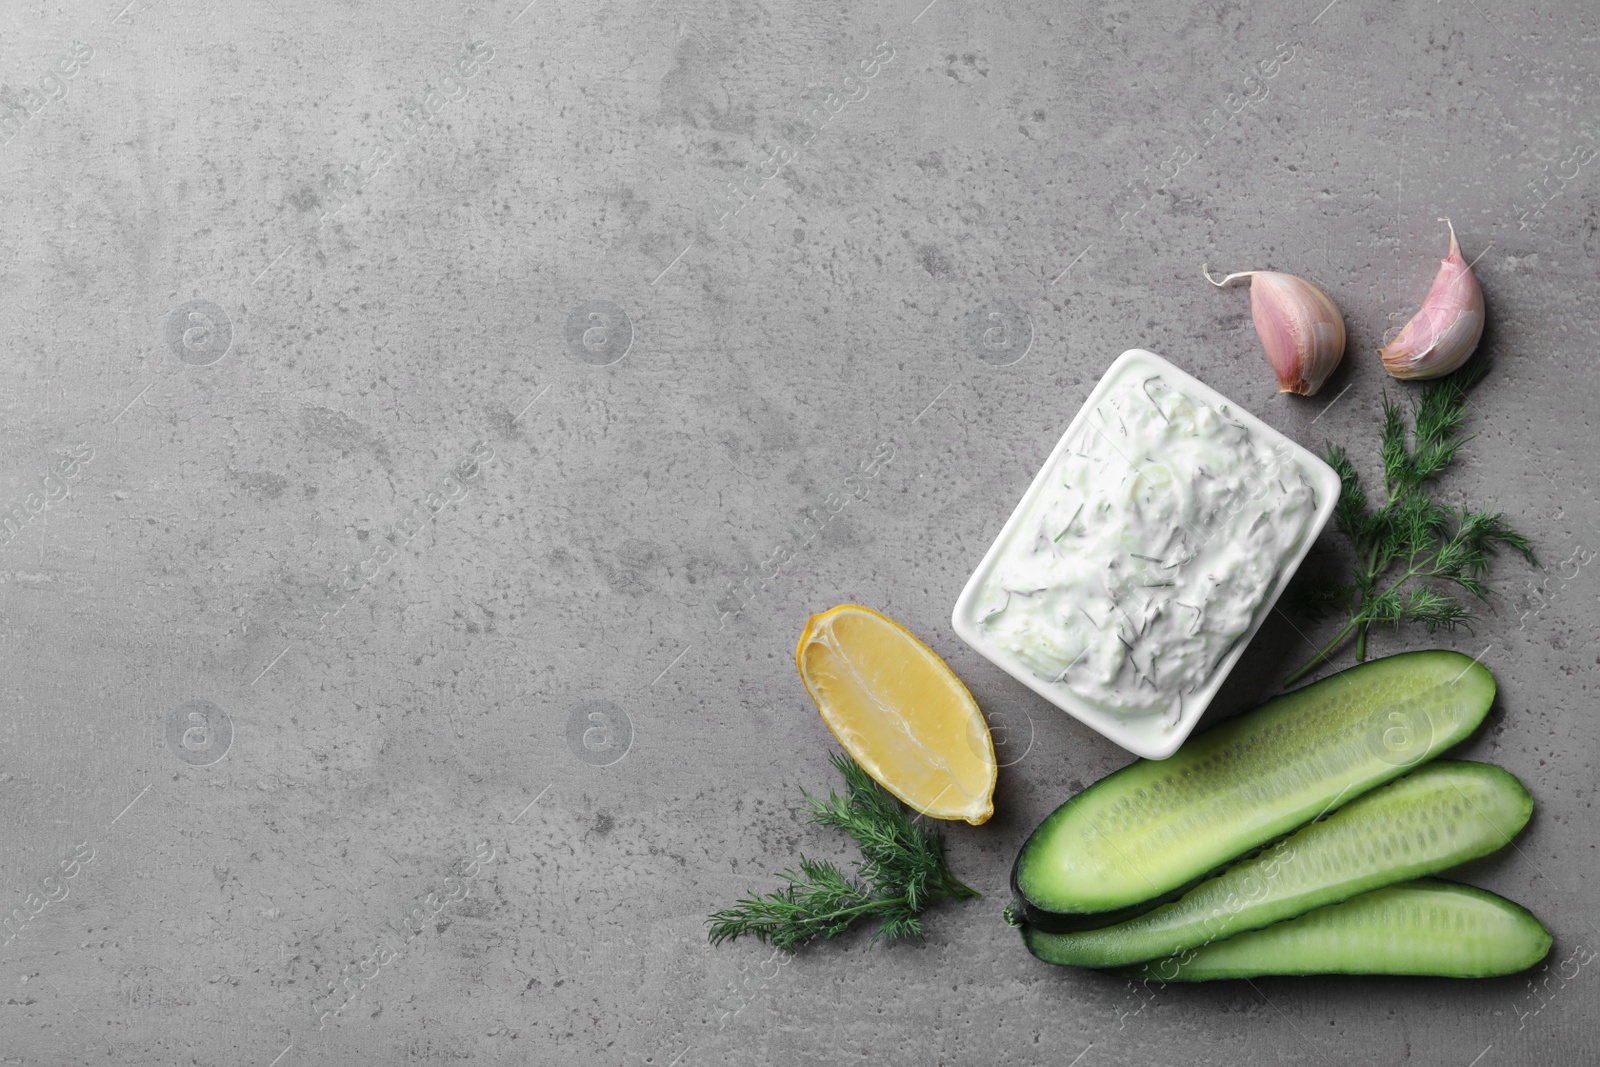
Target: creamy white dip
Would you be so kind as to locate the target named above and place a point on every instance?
(1160, 532)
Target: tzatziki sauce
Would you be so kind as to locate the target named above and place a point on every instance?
(1160, 532)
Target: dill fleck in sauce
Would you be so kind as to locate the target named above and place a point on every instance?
(1160, 532)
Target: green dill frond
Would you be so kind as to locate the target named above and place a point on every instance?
(1412, 533)
(816, 902)
(1413, 524)
(901, 873)
(898, 926)
(1420, 603)
(1385, 609)
(1484, 532)
(1443, 407)
(1439, 417)
(1435, 610)
(1397, 471)
(1352, 514)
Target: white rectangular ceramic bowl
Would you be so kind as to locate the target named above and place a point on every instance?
(1141, 734)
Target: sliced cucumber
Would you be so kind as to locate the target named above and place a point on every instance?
(1426, 927)
(1156, 826)
(1429, 821)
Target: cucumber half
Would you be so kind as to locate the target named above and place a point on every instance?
(1426, 927)
(1436, 818)
(1157, 826)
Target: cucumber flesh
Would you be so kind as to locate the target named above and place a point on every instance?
(1426, 927)
(1435, 818)
(1157, 826)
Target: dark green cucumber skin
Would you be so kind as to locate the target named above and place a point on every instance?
(1310, 944)
(1203, 761)
(1423, 824)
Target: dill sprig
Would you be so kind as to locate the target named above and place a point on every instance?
(1410, 551)
(901, 873)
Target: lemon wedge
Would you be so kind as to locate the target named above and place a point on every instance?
(899, 712)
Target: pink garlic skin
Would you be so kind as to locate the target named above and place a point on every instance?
(1446, 329)
(1299, 326)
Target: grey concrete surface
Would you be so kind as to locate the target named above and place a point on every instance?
(414, 487)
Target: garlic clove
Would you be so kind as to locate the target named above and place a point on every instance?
(1448, 326)
(1299, 326)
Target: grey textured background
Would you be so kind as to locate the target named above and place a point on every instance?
(579, 657)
